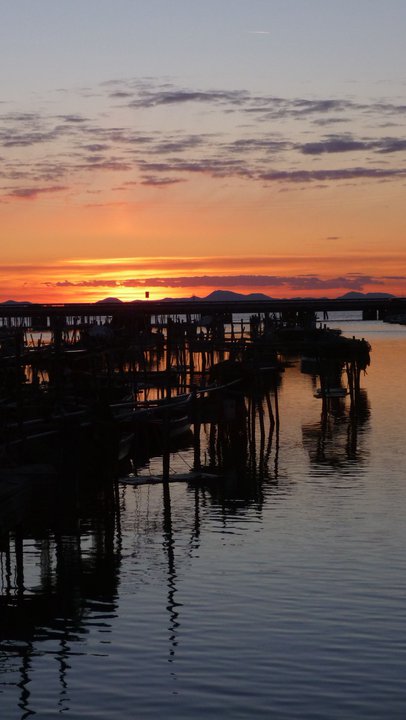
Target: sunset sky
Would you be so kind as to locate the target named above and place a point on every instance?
(179, 147)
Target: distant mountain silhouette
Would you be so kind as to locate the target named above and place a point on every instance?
(230, 295)
(108, 300)
(372, 295)
(227, 295)
(16, 302)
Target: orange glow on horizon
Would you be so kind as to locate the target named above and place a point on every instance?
(239, 192)
(61, 249)
(90, 280)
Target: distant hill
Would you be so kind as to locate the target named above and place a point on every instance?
(108, 300)
(362, 296)
(16, 302)
(230, 295)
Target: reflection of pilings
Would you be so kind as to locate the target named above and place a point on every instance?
(324, 412)
(269, 445)
(195, 536)
(270, 411)
(196, 529)
(117, 515)
(256, 408)
(166, 450)
(252, 423)
(24, 683)
(169, 545)
(262, 437)
(276, 460)
(353, 371)
(352, 436)
(359, 414)
(337, 437)
(276, 404)
(6, 566)
(67, 581)
(68, 561)
(350, 380)
(62, 657)
(212, 444)
(242, 446)
(266, 442)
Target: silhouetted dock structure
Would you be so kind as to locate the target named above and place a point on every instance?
(43, 315)
(89, 385)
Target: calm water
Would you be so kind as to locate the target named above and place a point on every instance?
(277, 594)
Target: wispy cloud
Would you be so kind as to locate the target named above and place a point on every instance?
(356, 173)
(152, 98)
(256, 138)
(160, 181)
(31, 193)
(346, 144)
(213, 265)
(295, 282)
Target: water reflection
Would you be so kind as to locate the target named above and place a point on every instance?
(335, 440)
(244, 451)
(63, 568)
(58, 574)
(169, 548)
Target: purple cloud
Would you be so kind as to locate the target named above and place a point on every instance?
(31, 193)
(296, 282)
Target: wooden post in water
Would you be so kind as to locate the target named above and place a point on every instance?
(249, 415)
(253, 418)
(5, 547)
(276, 405)
(191, 361)
(196, 431)
(350, 379)
(357, 383)
(168, 358)
(212, 444)
(270, 411)
(261, 420)
(18, 544)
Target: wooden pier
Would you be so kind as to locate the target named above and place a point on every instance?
(37, 316)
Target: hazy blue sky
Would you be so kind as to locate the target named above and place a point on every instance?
(321, 46)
